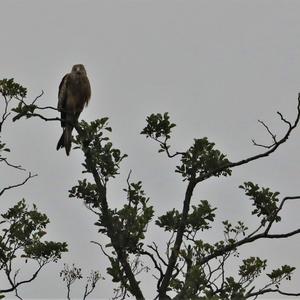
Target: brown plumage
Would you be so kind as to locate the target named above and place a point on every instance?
(73, 94)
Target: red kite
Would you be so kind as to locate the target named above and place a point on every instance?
(73, 94)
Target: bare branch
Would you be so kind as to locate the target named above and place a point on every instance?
(248, 240)
(15, 285)
(169, 243)
(155, 249)
(15, 281)
(128, 177)
(17, 294)
(279, 209)
(261, 145)
(256, 236)
(17, 185)
(5, 113)
(256, 230)
(11, 165)
(272, 149)
(101, 247)
(37, 97)
(282, 235)
(221, 266)
(156, 265)
(29, 115)
(89, 207)
(269, 131)
(129, 188)
(165, 147)
(255, 294)
(284, 120)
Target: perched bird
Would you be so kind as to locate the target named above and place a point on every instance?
(74, 93)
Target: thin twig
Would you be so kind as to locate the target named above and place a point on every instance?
(273, 148)
(14, 286)
(19, 167)
(5, 113)
(29, 115)
(284, 120)
(16, 290)
(272, 291)
(155, 249)
(37, 97)
(279, 209)
(17, 185)
(101, 247)
(269, 131)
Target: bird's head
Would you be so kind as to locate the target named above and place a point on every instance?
(79, 69)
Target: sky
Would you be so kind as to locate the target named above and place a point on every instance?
(215, 66)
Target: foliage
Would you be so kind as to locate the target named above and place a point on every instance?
(279, 274)
(202, 158)
(11, 89)
(103, 156)
(70, 274)
(22, 229)
(158, 125)
(264, 201)
(189, 267)
(198, 219)
(22, 233)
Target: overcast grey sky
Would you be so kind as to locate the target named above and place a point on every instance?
(215, 66)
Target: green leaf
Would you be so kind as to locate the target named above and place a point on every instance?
(264, 202)
(201, 159)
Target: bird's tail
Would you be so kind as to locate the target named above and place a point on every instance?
(60, 143)
(65, 140)
(68, 139)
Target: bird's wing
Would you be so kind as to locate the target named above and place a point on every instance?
(62, 98)
(87, 91)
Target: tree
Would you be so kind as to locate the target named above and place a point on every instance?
(191, 267)
(22, 228)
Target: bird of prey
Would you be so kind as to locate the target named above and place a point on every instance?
(73, 94)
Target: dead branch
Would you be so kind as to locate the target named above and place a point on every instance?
(255, 294)
(272, 149)
(19, 167)
(253, 237)
(17, 185)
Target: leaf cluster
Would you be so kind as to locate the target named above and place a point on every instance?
(232, 289)
(102, 155)
(232, 232)
(252, 268)
(129, 223)
(23, 230)
(231, 235)
(24, 110)
(158, 126)
(264, 201)
(9, 88)
(202, 158)
(199, 219)
(86, 191)
(69, 275)
(284, 272)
